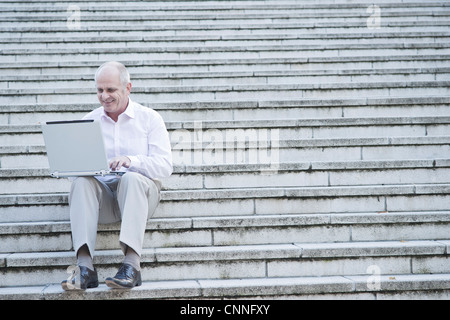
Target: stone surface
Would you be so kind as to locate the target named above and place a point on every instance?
(311, 155)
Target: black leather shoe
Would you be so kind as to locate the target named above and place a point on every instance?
(126, 278)
(82, 281)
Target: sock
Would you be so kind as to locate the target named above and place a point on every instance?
(84, 258)
(132, 258)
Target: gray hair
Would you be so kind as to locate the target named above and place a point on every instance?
(123, 72)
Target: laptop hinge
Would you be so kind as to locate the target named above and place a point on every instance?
(55, 174)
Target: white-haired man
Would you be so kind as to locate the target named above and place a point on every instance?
(137, 142)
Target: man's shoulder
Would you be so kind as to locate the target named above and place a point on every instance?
(146, 110)
(94, 114)
(139, 107)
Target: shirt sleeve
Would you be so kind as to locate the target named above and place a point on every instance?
(157, 163)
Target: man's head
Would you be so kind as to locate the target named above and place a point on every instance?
(113, 88)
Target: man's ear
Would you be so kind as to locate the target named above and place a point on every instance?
(128, 88)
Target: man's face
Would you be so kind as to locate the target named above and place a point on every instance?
(110, 92)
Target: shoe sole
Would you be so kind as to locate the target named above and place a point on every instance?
(114, 285)
(72, 287)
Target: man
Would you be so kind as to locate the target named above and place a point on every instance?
(138, 143)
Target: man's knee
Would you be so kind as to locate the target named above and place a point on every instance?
(134, 179)
(82, 188)
(83, 183)
(131, 177)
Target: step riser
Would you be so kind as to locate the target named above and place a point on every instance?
(293, 37)
(35, 116)
(254, 135)
(218, 55)
(39, 117)
(229, 207)
(230, 66)
(167, 8)
(20, 185)
(274, 156)
(263, 51)
(234, 95)
(238, 269)
(75, 44)
(221, 16)
(232, 30)
(233, 81)
(107, 237)
(409, 287)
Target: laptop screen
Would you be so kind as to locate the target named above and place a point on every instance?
(75, 146)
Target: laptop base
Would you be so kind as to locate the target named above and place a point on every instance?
(102, 173)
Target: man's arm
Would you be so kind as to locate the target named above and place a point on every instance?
(158, 162)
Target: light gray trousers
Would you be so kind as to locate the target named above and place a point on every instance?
(132, 199)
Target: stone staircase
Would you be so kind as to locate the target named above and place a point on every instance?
(311, 145)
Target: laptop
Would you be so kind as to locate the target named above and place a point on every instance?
(76, 148)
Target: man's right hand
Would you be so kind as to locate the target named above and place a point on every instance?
(118, 162)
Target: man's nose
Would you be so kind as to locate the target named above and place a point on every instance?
(105, 95)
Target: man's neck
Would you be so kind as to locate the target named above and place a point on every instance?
(115, 116)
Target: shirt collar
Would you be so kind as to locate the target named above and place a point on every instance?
(129, 111)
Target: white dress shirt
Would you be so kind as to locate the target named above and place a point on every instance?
(141, 135)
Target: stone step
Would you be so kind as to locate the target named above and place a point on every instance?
(266, 152)
(196, 231)
(234, 65)
(210, 143)
(250, 201)
(18, 181)
(189, 7)
(223, 134)
(223, 10)
(287, 129)
(228, 239)
(220, 52)
(235, 92)
(219, 12)
(209, 40)
(44, 78)
(195, 5)
(232, 78)
(243, 262)
(212, 24)
(215, 28)
(213, 15)
(313, 228)
(225, 29)
(362, 150)
(245, 110)
(387, 287)
(277, 48)
(306, 19)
